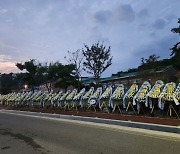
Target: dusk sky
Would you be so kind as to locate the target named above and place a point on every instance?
(46, 29)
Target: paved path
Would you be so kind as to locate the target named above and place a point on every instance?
(21, 133)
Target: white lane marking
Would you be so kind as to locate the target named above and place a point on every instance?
(111, 127)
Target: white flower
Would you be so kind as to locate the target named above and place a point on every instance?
(97, 93)
(71, 95)
(177, 92)
(47, 96)
(57, 96)
(65, 95)
(51, 96)
(79, 95)
(107, 93)
(156, 90)
(167, 93)
(132, 91)
(141, 94)
(118, 93)
(88, 94)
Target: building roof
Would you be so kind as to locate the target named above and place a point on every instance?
(113, 77)
(122, 75)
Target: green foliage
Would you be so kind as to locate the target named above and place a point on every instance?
(97, 59)
(37, 73)
(131, 70)
(76, 58)
(149, 63)
(151, 59)
(8, 82)
(153, 63)
(175, 50)
(176, 30)
(30, 68)
(63, 75)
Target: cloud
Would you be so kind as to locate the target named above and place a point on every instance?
(131, 58)
(159, 47)
(5, 58)
(159, 24)
(143, 13)
(122, 12)
(125, 12)
(3, 11)
(9, 52)
(45, 30)
(103, 16)
(171, 17)
(8, 67)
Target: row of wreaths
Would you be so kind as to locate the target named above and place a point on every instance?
(169, 92)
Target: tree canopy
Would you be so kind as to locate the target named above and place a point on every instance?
(38, 73)
(153, 61)
(97, 59)
(29, 77)
(63, 75)
(8, 82)
(76, 58)
(175, 50)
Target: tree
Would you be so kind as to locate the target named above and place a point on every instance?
(97, 59)
(54, 73)
(76, 58)
(8, 83)
(151, 59)
(150, 63)
(175, 50)
(61, 75)
(176, 30)
(67, 77)
(42, 75)
(31, 69)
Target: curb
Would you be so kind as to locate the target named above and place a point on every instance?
(164, 128)
(157, 127)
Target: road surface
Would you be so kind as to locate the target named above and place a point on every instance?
(21, 133)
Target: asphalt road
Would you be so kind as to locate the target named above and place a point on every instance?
(31, 135)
